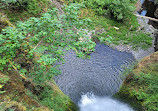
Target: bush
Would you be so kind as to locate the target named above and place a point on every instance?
(32, 6)
(19, 42)
(117, 9)
(13, 3)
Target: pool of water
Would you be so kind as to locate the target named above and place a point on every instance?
(101, 74)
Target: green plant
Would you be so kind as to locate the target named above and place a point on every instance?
(118, 9)
(42, 36)
(12, 3)
(146, 87)
(33, 48)
(3, 80)
(31, 6)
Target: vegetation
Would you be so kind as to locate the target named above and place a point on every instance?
(156, 1)
(140, 86)
(117, 9)
(23, 9)
(31, 48)
(115, 32)
(147, 90)
(115, 23)
(23, 42)
(33, 36)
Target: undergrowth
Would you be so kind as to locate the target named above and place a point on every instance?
(146, 87)
(140, 88)
(33, 47)
(116, 32)
(23, 9)
(51, 98)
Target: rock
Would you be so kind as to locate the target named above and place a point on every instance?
(156, 13)
(128, 88)
(156, 43)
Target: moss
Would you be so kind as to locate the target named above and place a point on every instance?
(7, 103)
(139, 89)
(125, 94)
(61, 100)
(16, 96)
(72, 106)
(15, 88)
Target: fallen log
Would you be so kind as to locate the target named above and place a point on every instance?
(150, 18)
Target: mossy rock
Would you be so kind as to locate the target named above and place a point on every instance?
(70, 106)
(139, 89)
(126, 95)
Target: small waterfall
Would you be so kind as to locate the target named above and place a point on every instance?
(90, 102)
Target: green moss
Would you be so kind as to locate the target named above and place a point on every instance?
(21, 96)
(127, 96)
(53, 98)
(140, 88)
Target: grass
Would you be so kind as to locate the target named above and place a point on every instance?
(127, 32)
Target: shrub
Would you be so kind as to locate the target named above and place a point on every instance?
(3, 80)
(32, 6)
(117, 9)
(12, 3)
(19, 42)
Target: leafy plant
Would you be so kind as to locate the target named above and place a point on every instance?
(118, 9)
(146, 87)
(42, 37)
(32, 6)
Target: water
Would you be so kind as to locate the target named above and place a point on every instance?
(100, 74)
(142, 1)
(90, 102)
(143, 13)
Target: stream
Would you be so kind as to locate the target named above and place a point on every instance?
(91, 83)
(99, 75)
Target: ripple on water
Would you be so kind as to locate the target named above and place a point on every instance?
(100, 74)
